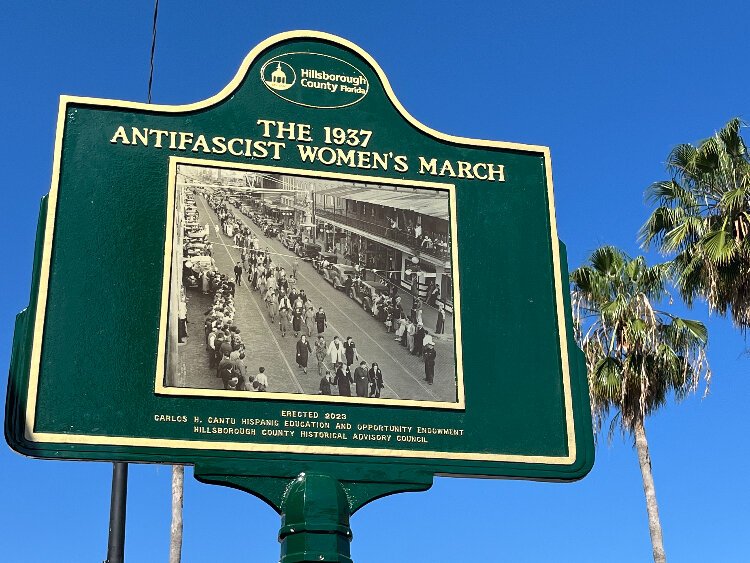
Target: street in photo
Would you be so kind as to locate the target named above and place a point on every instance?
(282, 284)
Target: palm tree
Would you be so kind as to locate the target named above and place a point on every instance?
(703, 220)
(637, 356)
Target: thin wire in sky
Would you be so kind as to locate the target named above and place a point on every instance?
(153, 50)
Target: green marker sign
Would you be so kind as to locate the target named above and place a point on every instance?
(295, 279)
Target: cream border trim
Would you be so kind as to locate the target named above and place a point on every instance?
(38, 334)
(174, 161)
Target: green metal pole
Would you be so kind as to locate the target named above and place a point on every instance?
(315, 521)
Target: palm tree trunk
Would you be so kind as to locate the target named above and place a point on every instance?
(175, 543)
(654, 524)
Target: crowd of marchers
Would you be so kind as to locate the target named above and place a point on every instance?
(227, 353)
(340, 368)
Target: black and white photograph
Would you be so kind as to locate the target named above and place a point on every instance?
(283, 285)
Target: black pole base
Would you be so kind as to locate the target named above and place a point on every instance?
(116, 543)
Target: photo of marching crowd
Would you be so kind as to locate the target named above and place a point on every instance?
(272, 292)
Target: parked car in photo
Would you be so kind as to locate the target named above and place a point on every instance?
(323, 257)
(366, 292)
(340, 276)
(200, 263)
(195, 249)
(289, 239)
(308, 251)
(272, 229)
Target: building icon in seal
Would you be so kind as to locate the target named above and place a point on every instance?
(279, 79)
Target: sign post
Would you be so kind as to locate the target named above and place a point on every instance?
(302, 291)
(117, 513)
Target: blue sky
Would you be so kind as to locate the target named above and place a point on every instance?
(610, 87)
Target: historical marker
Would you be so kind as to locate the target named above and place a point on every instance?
(296, 281)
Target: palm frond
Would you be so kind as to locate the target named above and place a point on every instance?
(735, 200)
(670, 193)
(730, 136)
(718, 246)
(607, 260)
(680, 161)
